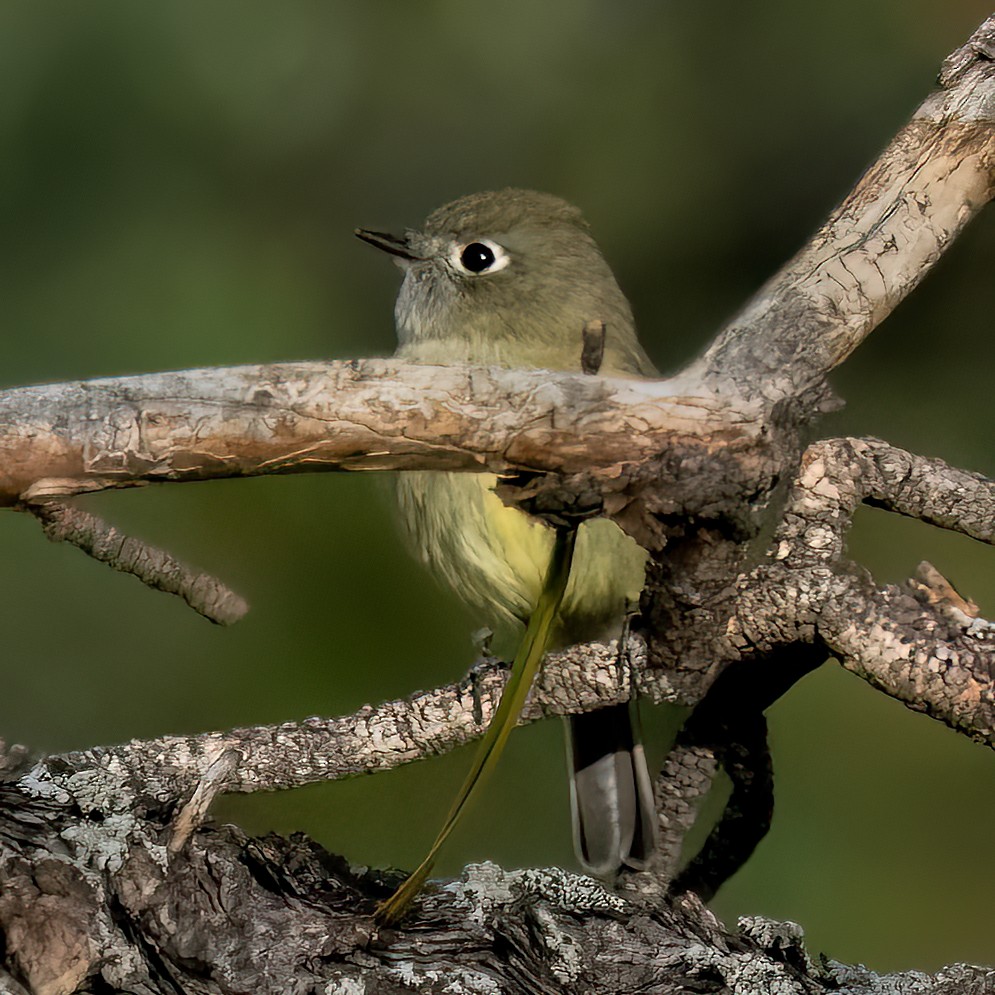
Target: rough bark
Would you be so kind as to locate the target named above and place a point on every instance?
(108, 879)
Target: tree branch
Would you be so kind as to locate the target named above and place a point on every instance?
(154, 567)
(236, 914)
(375, 738)
(918, 645)
(880, 242)
(927, 657)
(876, 247)
(369, 414)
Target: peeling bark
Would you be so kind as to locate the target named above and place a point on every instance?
(369, 414)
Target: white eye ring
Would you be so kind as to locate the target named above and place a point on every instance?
(478, 257)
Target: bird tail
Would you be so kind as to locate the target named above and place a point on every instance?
(611, 794)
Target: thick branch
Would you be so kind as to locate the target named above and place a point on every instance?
(268, 916)
(871, 252)
(878, 244)
(62, 439)
(366, 414)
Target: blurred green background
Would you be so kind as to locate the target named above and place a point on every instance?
(179, 183)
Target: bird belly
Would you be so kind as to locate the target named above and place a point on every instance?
(495, 557)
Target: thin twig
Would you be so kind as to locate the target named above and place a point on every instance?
(194, 812)
(154, 567)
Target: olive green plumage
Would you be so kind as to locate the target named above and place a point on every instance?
(510, 278)
(530, 313)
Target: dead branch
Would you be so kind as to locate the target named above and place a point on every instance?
(229, 913)
(936, 175)
(876, 247)
(154, 567)
(369, 414)
(917, 644)
(375, 738)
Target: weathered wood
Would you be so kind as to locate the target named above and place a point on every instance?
(369, 414)
(877, 246)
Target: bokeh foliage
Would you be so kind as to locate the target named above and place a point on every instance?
(178, 186)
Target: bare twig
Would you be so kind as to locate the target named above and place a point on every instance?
(939, 591)
(152, 566)
(194, 812)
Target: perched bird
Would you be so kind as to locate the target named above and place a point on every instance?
(511, 278)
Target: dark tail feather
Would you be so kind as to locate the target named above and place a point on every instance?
(611, 794)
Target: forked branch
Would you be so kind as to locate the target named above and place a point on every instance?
(922, 644)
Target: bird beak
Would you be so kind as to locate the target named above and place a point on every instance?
(396, 245)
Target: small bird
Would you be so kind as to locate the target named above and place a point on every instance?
(511, 278)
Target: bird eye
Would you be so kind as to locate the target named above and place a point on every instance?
(479, 256)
